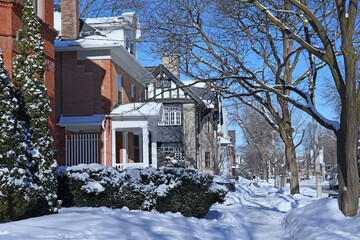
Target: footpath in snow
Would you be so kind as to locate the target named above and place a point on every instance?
(254, 211)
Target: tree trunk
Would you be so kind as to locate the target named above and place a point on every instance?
(347, 163)
(290, 156)
(266, 171)
(347, 135)
(283, 175)
(292, 165)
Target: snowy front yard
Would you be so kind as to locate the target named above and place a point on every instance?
(252, 212)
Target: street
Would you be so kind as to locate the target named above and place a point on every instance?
(311, 184)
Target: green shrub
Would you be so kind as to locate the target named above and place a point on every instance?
(187, 191)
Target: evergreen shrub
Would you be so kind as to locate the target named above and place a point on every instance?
(187, 191)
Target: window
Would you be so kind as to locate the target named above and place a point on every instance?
(173, 152)
(127, 44)
(166, 83)
(207, 160)
(206, 125)
(172, 116)
(120, 88)
(137, 149)
(140, 96)
(132, 48)
(38, 7)
(132, 93)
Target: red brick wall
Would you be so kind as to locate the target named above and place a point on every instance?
(10, 23)
(87, 87)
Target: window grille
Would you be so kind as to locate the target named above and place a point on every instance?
(172, 116)
(207, 159)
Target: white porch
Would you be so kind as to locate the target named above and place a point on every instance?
(133, 132)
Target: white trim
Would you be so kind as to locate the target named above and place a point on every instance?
(113, 147)
(145, 144)
(154, 149)
(125, 147)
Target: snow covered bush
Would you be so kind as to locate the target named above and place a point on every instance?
(187, 191)
(16, 188)
(28, 71)
(192, 192)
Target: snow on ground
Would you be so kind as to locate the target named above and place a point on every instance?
(255, 211)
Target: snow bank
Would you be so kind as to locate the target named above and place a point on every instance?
(255, 211)
(322, 219)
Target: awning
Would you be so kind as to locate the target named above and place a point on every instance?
(81, 122)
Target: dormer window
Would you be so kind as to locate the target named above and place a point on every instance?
(130, 46)
(127, 44)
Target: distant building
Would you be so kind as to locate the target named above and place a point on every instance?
(101, 112)
(189, 130)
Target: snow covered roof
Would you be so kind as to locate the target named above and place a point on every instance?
(203, 91)
(139, 110)
(222, 140)
(101, 34)
(110, 25)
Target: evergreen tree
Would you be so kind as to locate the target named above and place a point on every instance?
(17, 193)
(28, 72)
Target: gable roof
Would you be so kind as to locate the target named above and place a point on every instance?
(162, 69)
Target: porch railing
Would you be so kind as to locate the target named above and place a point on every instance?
(82, 148)
(129, 165)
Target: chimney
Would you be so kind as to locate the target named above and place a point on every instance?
(69, 19)
(172, 62)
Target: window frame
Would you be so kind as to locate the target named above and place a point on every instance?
(132, 92)
(120, 80)
(172, 117)
(207, 159)
(38, 7)
(206, 125)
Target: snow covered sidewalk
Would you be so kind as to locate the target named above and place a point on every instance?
(254, 211)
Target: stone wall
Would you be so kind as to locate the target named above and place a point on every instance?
(190, 133)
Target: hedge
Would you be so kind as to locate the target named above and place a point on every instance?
(183, 190)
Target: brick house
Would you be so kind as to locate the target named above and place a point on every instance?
(189, 130)
(10, 19)
(100, 92)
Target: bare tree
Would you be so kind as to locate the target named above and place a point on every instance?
(100, 8)
(263, 144)
(248, 48)
(227, 45)
(346, 84)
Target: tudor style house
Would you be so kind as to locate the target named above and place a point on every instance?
(189, 129)
(100, 92)
(10, 19)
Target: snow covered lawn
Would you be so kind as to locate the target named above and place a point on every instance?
(258, 211)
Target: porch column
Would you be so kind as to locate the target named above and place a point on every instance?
(154, 149)
(145, 147)
(113, 147)
(125, 147)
